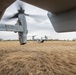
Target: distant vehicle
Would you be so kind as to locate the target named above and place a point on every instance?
(40, 40)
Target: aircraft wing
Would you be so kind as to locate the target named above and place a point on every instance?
(54, 6)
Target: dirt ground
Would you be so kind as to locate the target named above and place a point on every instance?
(48, 58)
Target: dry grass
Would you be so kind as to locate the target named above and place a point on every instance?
(49, 58)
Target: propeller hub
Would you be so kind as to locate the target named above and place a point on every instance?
(21, 11)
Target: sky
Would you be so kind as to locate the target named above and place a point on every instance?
(39, 26)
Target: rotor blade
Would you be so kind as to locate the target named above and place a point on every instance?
(10, 17)
(15, 16)
(19, 5)
(38, 18)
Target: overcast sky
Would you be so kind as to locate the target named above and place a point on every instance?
(39, 26)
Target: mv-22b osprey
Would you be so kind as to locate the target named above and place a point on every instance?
(20, 26)
(61, 13)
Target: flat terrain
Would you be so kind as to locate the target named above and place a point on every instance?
(48, 58)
